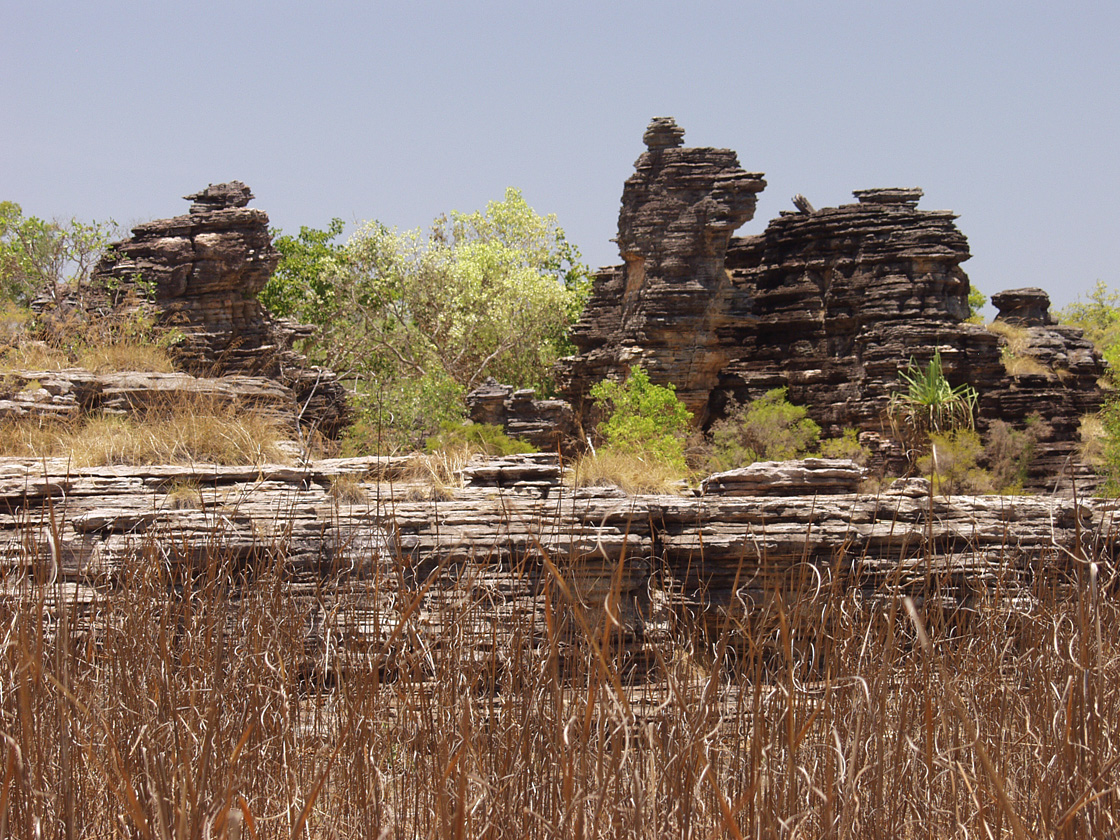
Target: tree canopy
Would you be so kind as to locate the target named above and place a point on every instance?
(415, 319)
(46, 257)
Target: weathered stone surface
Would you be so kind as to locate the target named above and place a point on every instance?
(549, 425)
(206, 269)
(662, 310)
(830, 304)
(1028, 307)
(707, 552)
(67, 394)
(826, 476)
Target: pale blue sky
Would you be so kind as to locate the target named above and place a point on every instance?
(1007, 113)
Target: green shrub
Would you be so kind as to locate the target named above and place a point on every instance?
(480, 438)
(977, 300)
(1108, 459)
(643, 419)
(769, 428)
(927, 405)
(952, 463)
(846, 446)
(1099, 317)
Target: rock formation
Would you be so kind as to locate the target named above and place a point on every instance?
(829, 304)
(202, 272)
(732, 548)
(547, 424)
(664, 308)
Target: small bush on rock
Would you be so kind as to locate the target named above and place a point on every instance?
(952, 463)
(769, 428)
(644, 420)
(846, 446)
(475, 438)
(1010, 451)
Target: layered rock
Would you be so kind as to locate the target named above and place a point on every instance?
(70, 394)
(202, 272)
(364, 522)
(664, 308)
(549, 425)
(830, 304)
(1051, 383)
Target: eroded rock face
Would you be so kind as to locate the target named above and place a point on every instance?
(1028, 307)
(549, 425)
(728, 549)
(204, 271)
(829, 304)
(663, 309)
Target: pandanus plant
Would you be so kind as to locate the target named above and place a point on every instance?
(928, 404)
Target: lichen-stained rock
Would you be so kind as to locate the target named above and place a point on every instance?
(663, 309)
(204, 271)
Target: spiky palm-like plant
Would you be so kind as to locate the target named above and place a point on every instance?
(928, 404)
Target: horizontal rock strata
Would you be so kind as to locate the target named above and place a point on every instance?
(202, 272)
(549, 425)
(69, 394)
(830, 304)
(514, 526)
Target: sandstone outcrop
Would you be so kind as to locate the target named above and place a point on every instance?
(828, 303)
(365, 525)
(202, 273)
(664, 308)
(549, 425)
(70, 394)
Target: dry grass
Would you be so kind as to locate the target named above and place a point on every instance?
(1093, 439)
(181, 707)
(185, 431)
(108, 358)
(630, 473)
(1015, 354)
(436, 475)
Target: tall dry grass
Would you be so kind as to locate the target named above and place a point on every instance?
(189, 702)
(182, 429)
(627, 471)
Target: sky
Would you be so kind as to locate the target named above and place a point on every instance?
(1007, 113)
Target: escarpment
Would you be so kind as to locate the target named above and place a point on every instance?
(828, 303)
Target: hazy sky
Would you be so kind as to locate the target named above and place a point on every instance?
(1007, 113)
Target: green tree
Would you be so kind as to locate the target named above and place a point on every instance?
(643, 419)
(47, 257)
(301, 285)
(1099, 316)
(415, 320)
(977, 300)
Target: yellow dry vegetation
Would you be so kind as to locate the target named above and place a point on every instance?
(630, 473)
(1015, 354)
(106, 358)
(184, 430)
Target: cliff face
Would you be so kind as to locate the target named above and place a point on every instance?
(204, 270)
(828, 303)
(664, 309)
